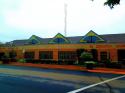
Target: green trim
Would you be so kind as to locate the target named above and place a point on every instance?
(33, 37)
(59, 36)
(91, 33)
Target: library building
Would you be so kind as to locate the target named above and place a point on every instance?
(61, 48)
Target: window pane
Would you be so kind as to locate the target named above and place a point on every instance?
(69, 55)
(33, 41)
(59, 40)
(46, 55)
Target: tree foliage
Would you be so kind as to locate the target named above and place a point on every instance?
(1, 44)
(86, 56)
(111, 3)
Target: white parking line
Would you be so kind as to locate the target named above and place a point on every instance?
(93, 85)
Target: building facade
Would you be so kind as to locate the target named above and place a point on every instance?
(103, 47)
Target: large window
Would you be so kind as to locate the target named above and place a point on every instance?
(90, 39)
(68, 55)
(59, 40)
(29, 55)
(45, 55)
(33, 41)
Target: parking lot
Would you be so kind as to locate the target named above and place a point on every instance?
(18, 79)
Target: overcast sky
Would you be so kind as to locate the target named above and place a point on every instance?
(19, 19)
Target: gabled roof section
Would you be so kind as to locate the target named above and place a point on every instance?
(107, 38)
(59, 39)
(34, 40)
(91, 37)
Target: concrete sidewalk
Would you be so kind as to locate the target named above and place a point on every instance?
(71, 67)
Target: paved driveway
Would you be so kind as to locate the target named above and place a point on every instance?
(36, 80)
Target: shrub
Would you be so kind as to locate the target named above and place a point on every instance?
(13, 60)
(86, 56)
(5, 58)
(22, 60)
(29, 60)
(90, 64)
(114, 65)
(1, 62)
(108, 61)
(36, 61)
(66, 62)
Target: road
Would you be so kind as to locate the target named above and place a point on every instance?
(17, 79)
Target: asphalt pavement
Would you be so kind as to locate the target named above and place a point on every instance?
(16, 79)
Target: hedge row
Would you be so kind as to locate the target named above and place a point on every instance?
(110, 65)
(68, 62)
(65, 62)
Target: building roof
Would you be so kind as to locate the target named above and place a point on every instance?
(108, 38)
(114, 38)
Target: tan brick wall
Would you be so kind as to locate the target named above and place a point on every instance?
(113, 55)
(112, 48)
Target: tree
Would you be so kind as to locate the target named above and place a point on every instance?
(111, 3)
(86, 56)
(1, 44)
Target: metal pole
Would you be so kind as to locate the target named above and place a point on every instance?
(65, 19)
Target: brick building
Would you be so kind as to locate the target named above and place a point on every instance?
(110, 46)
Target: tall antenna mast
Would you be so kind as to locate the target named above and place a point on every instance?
(65, 20)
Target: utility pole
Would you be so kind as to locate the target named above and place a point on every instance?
(65, 19)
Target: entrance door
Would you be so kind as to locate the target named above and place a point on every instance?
(121, 55)
(104, 56)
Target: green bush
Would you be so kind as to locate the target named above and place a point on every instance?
(1, 62)
(22, 60)
(5, 58)
(114, 65)
(90, 64)
(87, 56)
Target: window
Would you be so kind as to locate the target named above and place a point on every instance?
(59, 40)
(45, 55)
(29, 55)
(91, 37)
(70, 55)
(33, 41)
